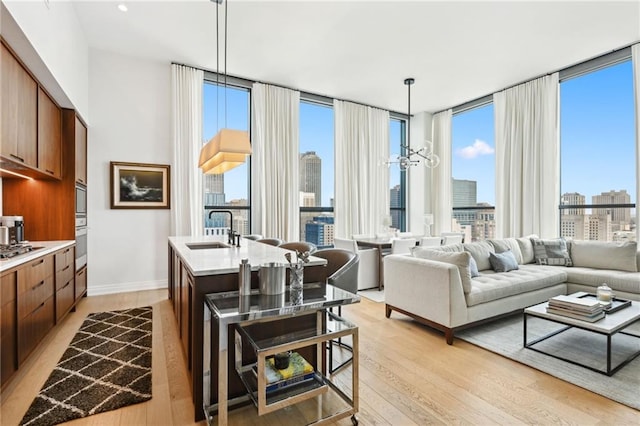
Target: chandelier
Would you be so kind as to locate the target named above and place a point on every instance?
(413, 157)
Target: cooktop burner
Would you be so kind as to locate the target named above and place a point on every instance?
(7, 252)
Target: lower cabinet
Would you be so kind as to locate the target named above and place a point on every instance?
(33, 298)
(8, 314)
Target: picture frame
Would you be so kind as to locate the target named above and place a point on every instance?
(140, 186)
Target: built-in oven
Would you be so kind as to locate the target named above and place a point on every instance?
(81, 247)
(81, 206)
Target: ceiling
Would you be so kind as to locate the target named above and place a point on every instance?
(363, 50)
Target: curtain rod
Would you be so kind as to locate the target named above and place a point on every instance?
(328, 99)
(483, 100)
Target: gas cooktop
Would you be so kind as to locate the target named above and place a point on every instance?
(7, 252)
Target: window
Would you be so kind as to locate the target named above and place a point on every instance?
(397, 177)
(598, 170)
(230, 190)
(316, 171)
(473, 173)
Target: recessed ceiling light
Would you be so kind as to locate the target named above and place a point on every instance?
(123, 7)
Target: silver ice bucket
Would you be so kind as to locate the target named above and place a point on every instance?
(272, 278)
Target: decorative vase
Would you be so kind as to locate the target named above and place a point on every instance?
(295, 283)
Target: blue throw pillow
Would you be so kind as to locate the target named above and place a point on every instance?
(503, 262)
(473, 267)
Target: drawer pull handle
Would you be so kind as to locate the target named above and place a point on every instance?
(66, 285)
(40, 284)
(49, 171)
(37, 263)
(67, 250)
(38, 308)
(66, 267)
(17, 158)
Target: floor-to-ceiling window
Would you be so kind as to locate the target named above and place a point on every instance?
(598, 169)
(316, 171)
(397, 176)
(226, 107)
(473, 172)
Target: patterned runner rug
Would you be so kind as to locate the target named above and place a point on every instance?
(106, 366)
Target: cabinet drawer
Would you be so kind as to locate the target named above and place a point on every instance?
(34, 327)
(81, 282)
(64, 276)
(65, 258)
(7, 288)
(33, 297)
(64, 299)
(34, 272)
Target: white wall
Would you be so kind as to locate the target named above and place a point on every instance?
(130, 102)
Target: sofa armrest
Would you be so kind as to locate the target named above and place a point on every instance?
(427, 288)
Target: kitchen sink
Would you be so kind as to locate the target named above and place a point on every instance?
(207, 245)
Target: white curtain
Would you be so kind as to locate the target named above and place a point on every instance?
(635, 55)
(440, 199)
(275, 199)
(187, 214)
(361, 178)
(527, 159)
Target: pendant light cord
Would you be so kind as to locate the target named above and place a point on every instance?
(217, 66)
(226, 7)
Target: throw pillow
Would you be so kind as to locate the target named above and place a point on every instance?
(473, 267)
(526, 248)
(505, 244)
(459, 259)
(551, 252)
(605, 255)
(503, 262)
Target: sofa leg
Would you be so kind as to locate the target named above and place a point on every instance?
(387, 311)
(448, 335)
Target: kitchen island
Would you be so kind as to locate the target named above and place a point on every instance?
(203, 265)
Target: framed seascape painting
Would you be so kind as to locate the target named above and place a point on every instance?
(140, 186)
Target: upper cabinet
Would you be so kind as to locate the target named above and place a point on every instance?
(19, 112)
(81, 151)
(49, 136)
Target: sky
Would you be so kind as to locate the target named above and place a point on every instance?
(596, 130)
(597, 137)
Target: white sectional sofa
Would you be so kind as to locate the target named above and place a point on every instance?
(435, 287)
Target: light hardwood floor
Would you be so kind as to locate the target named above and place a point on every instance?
(408, 376)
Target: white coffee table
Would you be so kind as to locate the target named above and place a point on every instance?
(610, 325)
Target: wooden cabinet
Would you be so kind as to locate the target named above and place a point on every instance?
(35, 303)
(8, 336)
(81, 283)
(19, 112)
(65, 282)
(49, 136)
(81, 151)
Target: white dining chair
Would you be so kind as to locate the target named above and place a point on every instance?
(368, 268)
(430, 241)
(402, 245)
(452, 239)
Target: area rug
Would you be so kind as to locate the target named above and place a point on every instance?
(505, 337)
(372, 294)
(106, 366)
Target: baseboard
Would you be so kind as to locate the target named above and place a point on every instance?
(97, 290)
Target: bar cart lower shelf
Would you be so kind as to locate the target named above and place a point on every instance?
(318, 398)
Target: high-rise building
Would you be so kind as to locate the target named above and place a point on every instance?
(213, 184)
(307, 199)
(620, 215)
(320, 231)
(214, 196)
(311, 175)
(464, 192)
(572, 199)
(395, 201)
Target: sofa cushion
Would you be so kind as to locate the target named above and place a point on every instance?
(605, 255)
(628, 282)
(526, 248)
(473, 267)
(449, 248)
(492, 286)
(552, 252)
(459, 259)
(509, 244)
(503, 262)
(480, 251)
